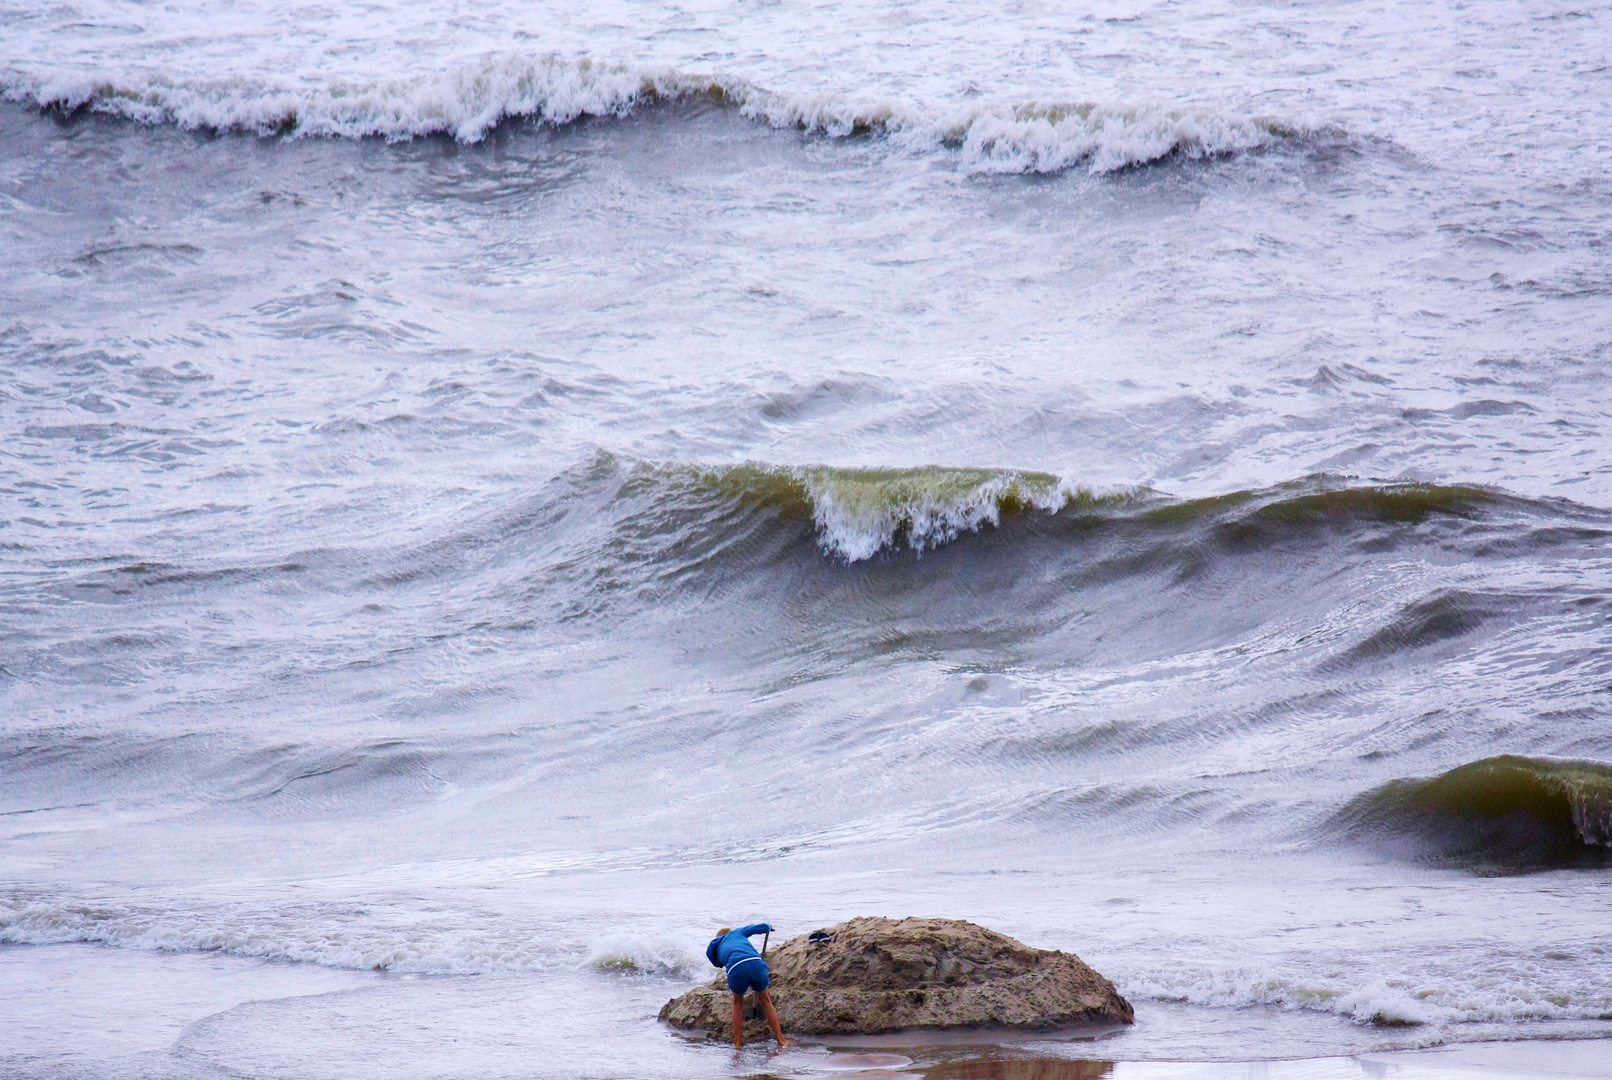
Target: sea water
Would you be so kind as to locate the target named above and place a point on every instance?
(491, 492)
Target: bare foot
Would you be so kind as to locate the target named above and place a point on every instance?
(785, 1042)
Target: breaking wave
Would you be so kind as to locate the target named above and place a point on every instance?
(350, 936)
(857, 513)
(467, 101)
(1500, 813)
(1504, 995)
(415, 938)
(636, 954)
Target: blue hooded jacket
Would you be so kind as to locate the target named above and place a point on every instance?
(734, 947)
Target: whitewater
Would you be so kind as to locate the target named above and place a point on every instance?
(491, 492)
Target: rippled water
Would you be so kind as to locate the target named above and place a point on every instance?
(491, 493)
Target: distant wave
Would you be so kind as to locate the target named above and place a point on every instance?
(1499, 813)
(468, 101)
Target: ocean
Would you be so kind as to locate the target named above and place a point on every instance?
(492, 491)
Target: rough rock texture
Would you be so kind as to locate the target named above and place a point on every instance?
(882, 975)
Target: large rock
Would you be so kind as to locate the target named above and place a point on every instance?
(881, 975)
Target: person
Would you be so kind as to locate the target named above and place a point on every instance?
(731, 950)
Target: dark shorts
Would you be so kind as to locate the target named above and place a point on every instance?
(749, 975)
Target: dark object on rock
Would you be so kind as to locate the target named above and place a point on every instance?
(873, 976)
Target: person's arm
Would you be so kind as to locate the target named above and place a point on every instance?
(710, 952)
(755, 928)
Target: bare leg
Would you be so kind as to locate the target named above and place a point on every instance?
(772, 1017)
(738, 1021)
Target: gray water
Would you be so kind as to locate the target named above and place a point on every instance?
(492, 493)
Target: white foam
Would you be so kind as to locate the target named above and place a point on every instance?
(467, 100)
(345, 936)
(635, 954)
(411, 938)
(1106, 137)
(859, 515)
(426, 939)
(464, 101)
(1495, 995)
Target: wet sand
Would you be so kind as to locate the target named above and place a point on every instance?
(1587, 1059)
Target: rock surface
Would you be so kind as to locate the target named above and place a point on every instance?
(883, 975)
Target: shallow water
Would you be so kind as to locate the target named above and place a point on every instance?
(481, 508)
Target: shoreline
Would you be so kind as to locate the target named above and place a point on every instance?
(1534, 1059)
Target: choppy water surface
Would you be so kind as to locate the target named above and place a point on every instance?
(490, 493)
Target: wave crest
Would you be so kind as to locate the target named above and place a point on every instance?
(469, 100)
(1499, 813)
(860, 512)
(420, 938)
(1507, 995)
(1107, 138)
(693, 513)
(465, 102)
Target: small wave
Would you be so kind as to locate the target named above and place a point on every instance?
(1499, 814)
(1379, 1005)
(632, 954)
(1449, 998)
(469, 100)
(1323, 500)
(1445, 615)
(1106, 138)
(351, 936)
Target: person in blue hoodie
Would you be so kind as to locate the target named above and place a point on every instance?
(731, 949)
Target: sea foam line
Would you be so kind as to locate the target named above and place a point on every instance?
(1499, 995)
(468, 100)
(352, 936)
